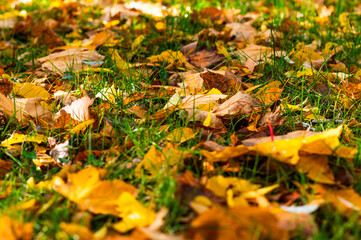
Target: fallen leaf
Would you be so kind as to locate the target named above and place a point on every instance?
(180, 135)
(316, 168)
(80, 231)
(60, 151)
(239, 103)
(270, 93)
(13, 229)
(69, 60)
(29, 90)
(236, 223)
(86, 189)
(79, 109)
(205, 58)
(133, 213)
(155, 160)
(20, 138)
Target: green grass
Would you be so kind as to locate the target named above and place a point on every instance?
(162, 190)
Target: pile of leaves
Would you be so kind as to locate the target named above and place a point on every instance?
(135, 120)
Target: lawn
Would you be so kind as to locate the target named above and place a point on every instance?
(180, 120)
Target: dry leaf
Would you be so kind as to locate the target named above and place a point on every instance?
(240, 103)
(69, 60)
(79, 109)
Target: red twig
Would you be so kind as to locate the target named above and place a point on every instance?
(270, 130)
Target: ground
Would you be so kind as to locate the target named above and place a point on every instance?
(180, 120)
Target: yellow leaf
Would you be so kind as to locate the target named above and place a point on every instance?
(214, 91)
(286, 150)
(312, 116)
(102, 37)
(120, 62)
(253, 122)
(225, 154)
(154, 160)
(207, 121)
(137, 42)
(180, 135)
(81, 127)
(206, 107)
(219, 185)
(222, 50)
(87, 190)
(82, 232)
(94, 70)
(11, 229)
(270, 93)
(168, 56)
(302, 54)
(29, 90)
(20, 138)
(133, 213)
(160, 26)
(27, 205)
(220, 223)
(316, 168)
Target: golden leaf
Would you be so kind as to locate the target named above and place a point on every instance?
(20, 138)
(87, 190)
(133, 213)
(29, 90)
(11, 229)
(236, 223)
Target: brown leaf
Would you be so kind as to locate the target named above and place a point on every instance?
(7, 107)
(205, 58)
(214, 80)
(79, 109)
(33, 107)
(69, 60)
(47, 35)
(212, 13)
(212, 146)
(201, 116)
(189, 48)
(243, 32)
(5, 167)
(234, 81)
(193, 101)
(5, 86)
(240, 103)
